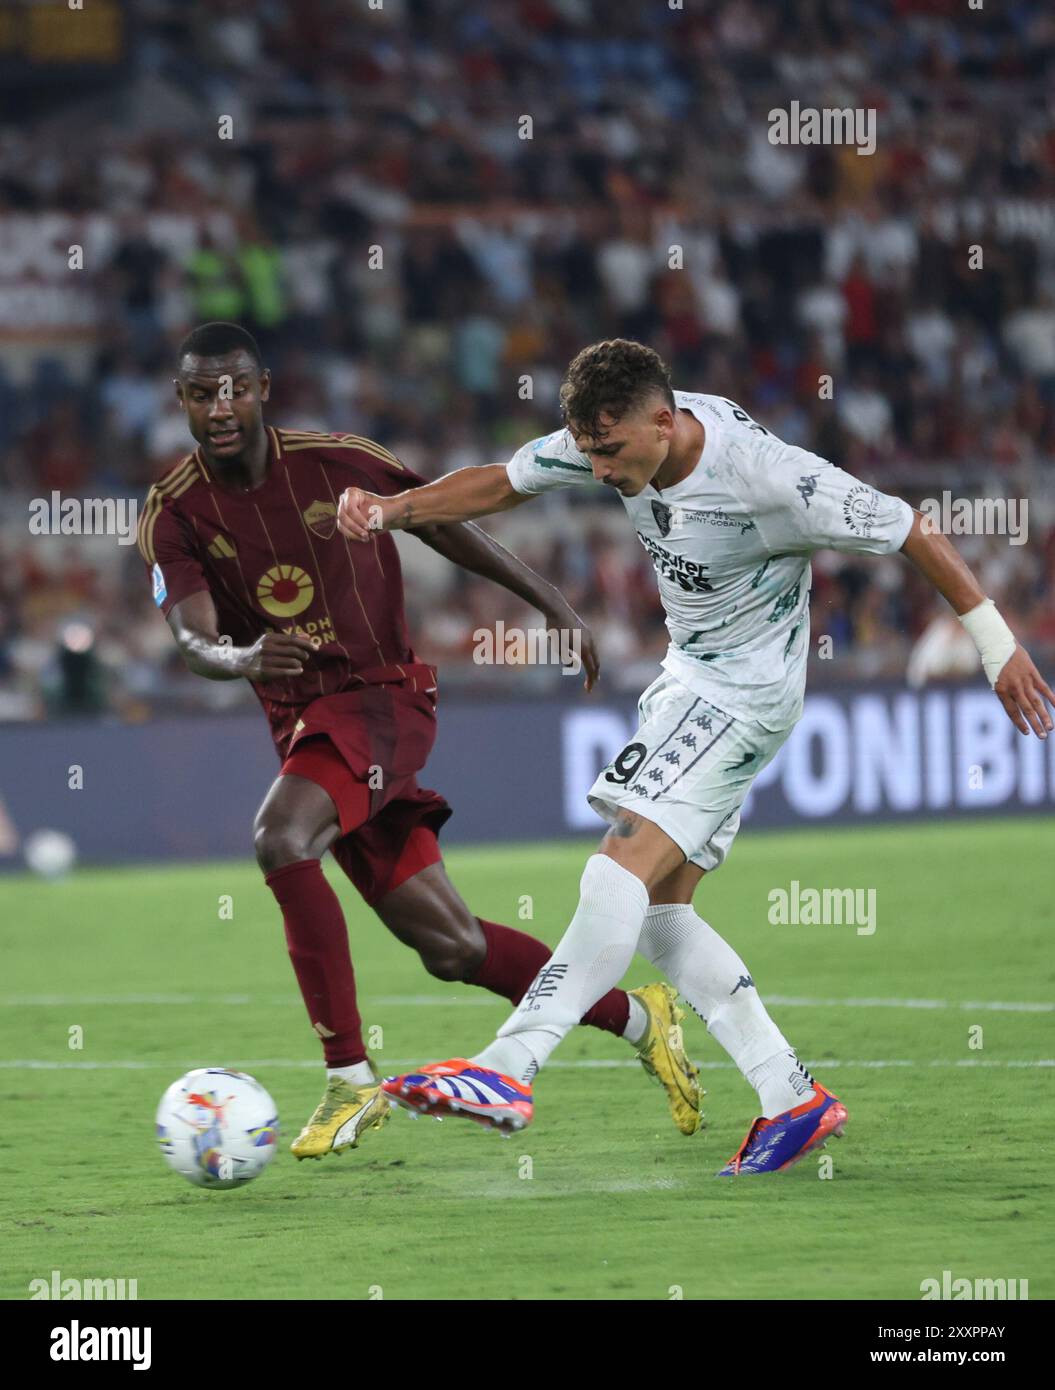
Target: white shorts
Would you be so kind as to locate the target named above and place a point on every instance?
(687, 769)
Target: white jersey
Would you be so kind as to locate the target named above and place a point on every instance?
(731, 547)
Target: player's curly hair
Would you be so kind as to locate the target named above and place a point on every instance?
(611, 378)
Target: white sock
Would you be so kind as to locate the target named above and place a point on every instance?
(590, 959)
(358, 1074)
(637, 1023)
(718, 986)
(781, 1083)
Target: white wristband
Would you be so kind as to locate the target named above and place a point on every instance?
(991, 635)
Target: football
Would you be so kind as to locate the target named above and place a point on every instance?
(50, 853)
(217, 1128)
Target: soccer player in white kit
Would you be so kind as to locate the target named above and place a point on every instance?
(729, 515)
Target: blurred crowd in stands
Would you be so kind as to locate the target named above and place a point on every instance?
(424, 210)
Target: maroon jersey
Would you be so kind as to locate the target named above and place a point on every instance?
(273, 558)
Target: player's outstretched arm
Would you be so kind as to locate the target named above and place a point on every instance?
(1018, 684)
(273, 656)
(466, 545)
(459, 496)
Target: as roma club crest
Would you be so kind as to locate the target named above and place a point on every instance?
(321, 518)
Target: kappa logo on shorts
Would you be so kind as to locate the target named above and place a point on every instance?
(747, 758)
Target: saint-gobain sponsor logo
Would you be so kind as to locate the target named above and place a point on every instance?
(79, 1343)
(977, 516)
(832, 125)
(84, 516)
(949, 1287)
(95, 1289)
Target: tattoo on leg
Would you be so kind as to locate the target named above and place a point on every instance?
(625, 824)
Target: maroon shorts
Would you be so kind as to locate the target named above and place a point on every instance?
(364, 748)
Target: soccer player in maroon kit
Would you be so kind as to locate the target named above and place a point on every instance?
(255, 581)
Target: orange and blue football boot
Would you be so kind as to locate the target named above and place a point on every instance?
(776, 1144)
(463, 1088)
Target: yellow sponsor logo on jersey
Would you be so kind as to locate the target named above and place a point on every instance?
(321, 517)
(284, 591)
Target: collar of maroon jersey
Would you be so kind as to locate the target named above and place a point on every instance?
(274, 454)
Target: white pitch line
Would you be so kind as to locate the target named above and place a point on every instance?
(1022, 1006)
(72, 1001)
(582, 1064)
(479, 1000)
(525, 1191)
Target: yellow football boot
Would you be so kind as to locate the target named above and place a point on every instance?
(662, 1054)
(341, 1118)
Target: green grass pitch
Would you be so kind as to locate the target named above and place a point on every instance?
(944, 1165)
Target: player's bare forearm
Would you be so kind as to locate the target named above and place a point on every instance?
(194, 626)
(459, 496)
(472, 549)
(938, 560)
(1017, 683)
(273, 656)
(467, 546)
(208, 659)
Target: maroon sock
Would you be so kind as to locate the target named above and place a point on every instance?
(317, 937)
(514, 959)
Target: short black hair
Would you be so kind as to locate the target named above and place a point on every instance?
(611, 378)
(218, 339)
